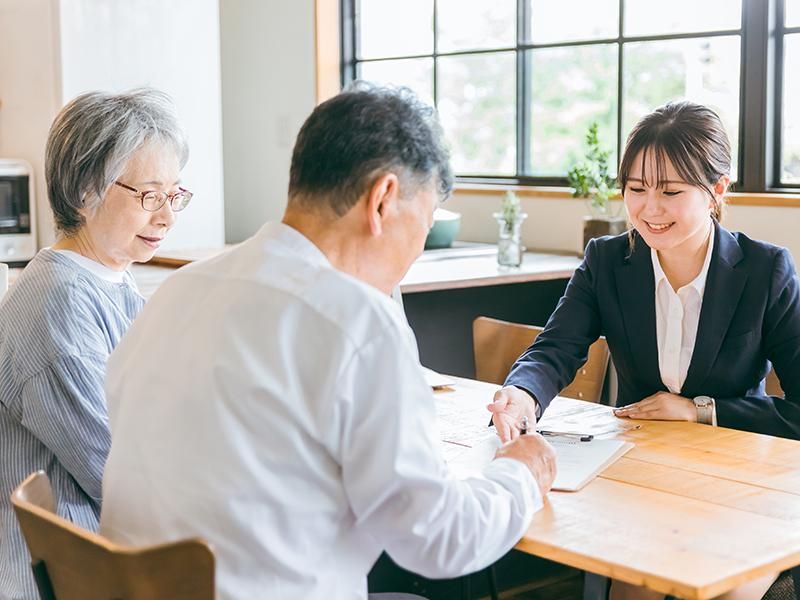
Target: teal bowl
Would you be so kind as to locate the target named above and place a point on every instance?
(445, 229)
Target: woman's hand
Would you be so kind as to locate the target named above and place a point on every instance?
(509, 406)
(661, 406)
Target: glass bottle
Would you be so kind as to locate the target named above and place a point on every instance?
(509, 247)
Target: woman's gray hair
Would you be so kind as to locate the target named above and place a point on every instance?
(91, 141)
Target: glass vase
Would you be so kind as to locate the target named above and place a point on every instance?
(509, 247)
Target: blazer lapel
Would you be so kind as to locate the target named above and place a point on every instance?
(724, 286)
(636, 290)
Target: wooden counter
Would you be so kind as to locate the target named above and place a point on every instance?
(464, 266)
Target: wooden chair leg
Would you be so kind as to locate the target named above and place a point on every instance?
(595, 587)
(490, 572)
(42, 580)
(466, 588)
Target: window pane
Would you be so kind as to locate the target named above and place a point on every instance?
(790, 136)
(653, 17)
(476, 24)
(792, 13)
(571, 87)
(394, 28)
(414, 73)
(478, 110)
(703, 70)
(569, 20)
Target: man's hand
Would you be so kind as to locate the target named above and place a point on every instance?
(661, 406)
(509, 405)
(534, 452)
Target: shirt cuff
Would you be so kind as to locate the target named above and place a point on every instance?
(517, 478)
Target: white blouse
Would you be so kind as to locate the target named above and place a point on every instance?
(677, 319)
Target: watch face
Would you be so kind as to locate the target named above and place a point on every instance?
(702, 401)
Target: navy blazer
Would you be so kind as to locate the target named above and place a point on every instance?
(750, 317)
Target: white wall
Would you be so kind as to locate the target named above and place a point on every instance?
(556, 223)
(30, 88)
(268, 90)
(53, 50)
(171, 45)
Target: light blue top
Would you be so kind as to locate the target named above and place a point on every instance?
(58, 325)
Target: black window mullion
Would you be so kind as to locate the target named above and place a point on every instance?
(774, 159)
(757, 108)
(349, 19)
(524, 90)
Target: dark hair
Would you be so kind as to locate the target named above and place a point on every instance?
(91, 141)
(691, 136)
(361, 134)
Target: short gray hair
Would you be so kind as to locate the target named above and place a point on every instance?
(91, 141)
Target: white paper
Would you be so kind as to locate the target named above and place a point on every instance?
(577, 462)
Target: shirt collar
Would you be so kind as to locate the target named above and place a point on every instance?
(293, 241)
(699, 282)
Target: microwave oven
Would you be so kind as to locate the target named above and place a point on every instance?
(17, 212)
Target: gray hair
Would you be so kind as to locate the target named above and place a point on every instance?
(366, 130)
(91, 141)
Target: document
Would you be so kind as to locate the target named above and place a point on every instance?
(436, 380)
(577, 462)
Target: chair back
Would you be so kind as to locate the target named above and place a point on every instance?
(70, 563)
(773, 384)
(498, 344)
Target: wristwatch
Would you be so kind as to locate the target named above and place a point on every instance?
(705, 409)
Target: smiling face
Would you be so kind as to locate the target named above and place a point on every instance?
(671, 215)
(120, 231)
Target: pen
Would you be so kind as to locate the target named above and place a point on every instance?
(523, 427)
(583, 437)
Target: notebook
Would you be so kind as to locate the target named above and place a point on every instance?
(577, 462)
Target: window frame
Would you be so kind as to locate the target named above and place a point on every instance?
(761, 36)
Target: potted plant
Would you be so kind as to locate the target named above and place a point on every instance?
(590, 179)
(510, 218)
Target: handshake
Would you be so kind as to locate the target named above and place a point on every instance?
(512, 409)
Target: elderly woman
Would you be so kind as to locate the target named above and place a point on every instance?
(112, 166)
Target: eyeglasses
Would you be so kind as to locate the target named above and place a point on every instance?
(153, 201)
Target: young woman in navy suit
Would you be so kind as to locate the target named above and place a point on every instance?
(694, 315)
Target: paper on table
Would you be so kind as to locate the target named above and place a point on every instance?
(577, 462)
(436, 380)
(585, 418)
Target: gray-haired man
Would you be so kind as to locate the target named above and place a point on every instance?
(271, 400)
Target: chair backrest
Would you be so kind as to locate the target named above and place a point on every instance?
(497, 345)
(773, 384)
(79, 565)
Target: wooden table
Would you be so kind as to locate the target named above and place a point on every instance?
(692, 511)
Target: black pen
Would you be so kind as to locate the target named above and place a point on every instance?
(523, 427)
(583, 437)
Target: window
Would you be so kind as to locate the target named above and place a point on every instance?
(789, 34)
(517, 82)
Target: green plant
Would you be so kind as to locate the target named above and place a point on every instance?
(511, 209)
(590, 178)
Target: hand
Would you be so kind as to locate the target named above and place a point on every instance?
(661, 406)
(534, 452)
(509, 405)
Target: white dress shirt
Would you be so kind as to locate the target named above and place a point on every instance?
(276, 407)
(677, 320)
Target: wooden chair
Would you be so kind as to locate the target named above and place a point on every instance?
(773, 384)
(497, 345)
(70, 563)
